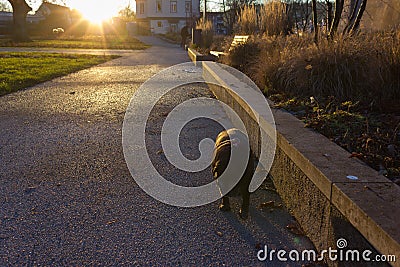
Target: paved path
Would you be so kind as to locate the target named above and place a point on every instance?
(67, 197)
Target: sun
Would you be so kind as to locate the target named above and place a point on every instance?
(96, 11)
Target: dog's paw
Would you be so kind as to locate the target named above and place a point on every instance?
(224, 207)
(244, 214)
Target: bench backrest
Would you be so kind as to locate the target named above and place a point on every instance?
(238, 40)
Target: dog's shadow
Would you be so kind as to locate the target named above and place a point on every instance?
(266, 226)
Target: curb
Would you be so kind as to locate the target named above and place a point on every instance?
(197, 57)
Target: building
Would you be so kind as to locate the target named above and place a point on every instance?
(163, 16)
(56, 16)
(217, 19)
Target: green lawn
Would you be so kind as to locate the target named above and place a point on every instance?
(21, 70)
(85, 42)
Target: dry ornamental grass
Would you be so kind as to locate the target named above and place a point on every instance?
(347, 88)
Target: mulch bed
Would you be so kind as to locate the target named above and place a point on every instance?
(372, 137)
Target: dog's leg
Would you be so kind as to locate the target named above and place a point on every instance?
(225, 206)
(244, 211)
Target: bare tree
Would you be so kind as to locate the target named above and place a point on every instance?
(329, 15)
(336, 19)
(315, 21)
(301, 12)
(360, 13)
(354, 21)
(20, 11)
(127, 13)
(232, 10)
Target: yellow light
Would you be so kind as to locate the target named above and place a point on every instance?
(95, 11)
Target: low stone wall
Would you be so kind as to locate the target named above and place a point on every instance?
(310, 173)
(197, 57)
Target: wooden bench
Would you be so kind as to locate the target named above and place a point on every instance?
(237, 40)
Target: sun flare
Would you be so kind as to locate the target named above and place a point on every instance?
(96, 11)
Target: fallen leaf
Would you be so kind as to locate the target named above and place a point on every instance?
(352, 177)
(267, 204)
(30, 189)
(270, 204)
(269, 188)
(356, 155)
(295, 229)
(326, 156)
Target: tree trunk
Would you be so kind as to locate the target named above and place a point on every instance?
(20, 11)
(329, 15)
(338, 14)
(353, 17)
(306, 15)
(315, 21)
(359, 16)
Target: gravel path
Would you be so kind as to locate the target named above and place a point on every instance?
(67, 197)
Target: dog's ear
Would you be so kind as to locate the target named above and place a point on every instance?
(235, 142)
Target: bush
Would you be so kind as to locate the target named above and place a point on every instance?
(221, 43)
(207, 32)
(248, 21)
(362, 68)
(243, 56)
(347, 89)
(271, 18)
(274, 18)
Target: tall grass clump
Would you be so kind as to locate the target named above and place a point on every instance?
(270, 18)
(274, 18)
(248, 21)
(243, 56)
(363, 68)
(207, 32)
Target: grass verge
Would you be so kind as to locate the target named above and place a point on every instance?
(21, 70)
(85, 42)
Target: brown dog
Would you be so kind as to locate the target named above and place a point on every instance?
(222, 152)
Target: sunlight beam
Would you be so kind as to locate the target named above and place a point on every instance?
(95, 11)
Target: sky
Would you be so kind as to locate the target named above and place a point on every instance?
(101, 9)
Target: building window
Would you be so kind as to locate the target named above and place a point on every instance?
(188, 7)
(173, 7)
(158, 6)
(159, 24)
(141, 8)
(173, 27)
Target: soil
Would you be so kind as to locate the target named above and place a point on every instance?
(372, 137)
